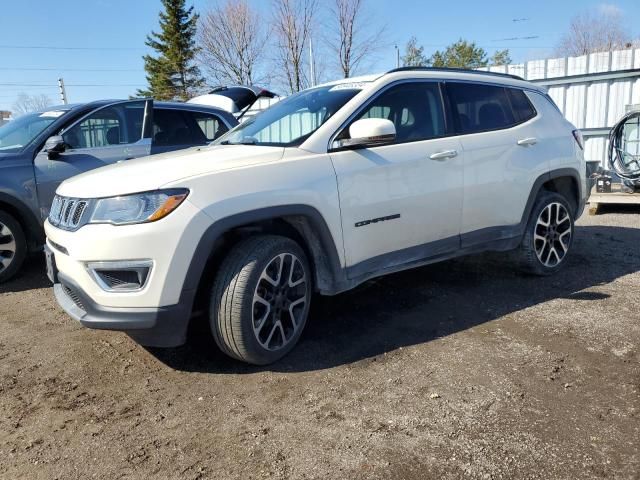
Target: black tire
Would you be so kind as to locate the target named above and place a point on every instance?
(233, 305)
(534, 252)
(13, 246)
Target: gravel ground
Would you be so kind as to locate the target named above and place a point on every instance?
(463, 369)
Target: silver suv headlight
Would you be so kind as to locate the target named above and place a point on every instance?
(73, 213)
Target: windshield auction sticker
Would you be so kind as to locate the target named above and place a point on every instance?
(348, 86)
(52, 114)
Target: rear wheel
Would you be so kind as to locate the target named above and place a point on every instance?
(548, 236)
(13, 246)
(260, 299)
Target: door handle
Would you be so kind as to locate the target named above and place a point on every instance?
(526, 142)
(443, 155)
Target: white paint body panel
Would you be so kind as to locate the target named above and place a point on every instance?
(486, 184)
(398, 179)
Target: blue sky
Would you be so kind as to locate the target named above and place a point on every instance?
(117, 30)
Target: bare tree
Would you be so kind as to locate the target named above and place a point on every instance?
(30, 103)
(232, 38)
(354, 39)
(292, 23)
(595, 31)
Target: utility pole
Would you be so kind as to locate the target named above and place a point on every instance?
(63, 92)
(311, 64)
(397, 56)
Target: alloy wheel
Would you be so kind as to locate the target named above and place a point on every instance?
(279, 302)
(8, 247)
(552, 234)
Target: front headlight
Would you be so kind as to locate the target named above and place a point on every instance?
(137, 208)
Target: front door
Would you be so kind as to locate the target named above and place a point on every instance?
(401, 202)
(108, 135)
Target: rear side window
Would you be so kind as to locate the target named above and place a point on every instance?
(170, 128)
(522, 108)
(479, 108)
(210, 125)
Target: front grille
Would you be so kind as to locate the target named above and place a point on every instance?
(71, 293)
(67, 213)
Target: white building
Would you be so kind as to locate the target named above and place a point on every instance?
(593, 91)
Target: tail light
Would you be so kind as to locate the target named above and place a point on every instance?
(577, 134)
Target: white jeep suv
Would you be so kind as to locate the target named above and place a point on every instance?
(326, 189)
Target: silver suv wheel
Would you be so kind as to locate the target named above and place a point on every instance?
(13, 246)
(8, 247)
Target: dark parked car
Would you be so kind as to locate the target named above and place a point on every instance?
(40, 150)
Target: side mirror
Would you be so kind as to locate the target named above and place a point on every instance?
(54, 146)
(370, 132)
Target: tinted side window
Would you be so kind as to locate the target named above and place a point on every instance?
(522, 108)
(114, 125)
(170, 128)
(210, 125)
(414, 108)
(479, 108)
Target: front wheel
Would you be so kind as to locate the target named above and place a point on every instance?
(13, 246)
(260, 299)
(548, 236)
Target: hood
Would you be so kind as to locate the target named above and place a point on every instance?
(152, 173)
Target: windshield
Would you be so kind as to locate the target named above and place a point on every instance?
(290, 122)
(20, 132)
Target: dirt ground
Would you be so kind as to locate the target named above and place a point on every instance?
(463, 369)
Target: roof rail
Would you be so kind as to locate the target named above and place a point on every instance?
(454, 70)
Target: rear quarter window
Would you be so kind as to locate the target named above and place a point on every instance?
(522, 108)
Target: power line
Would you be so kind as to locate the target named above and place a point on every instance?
(510, 39)
(479, 44)
(47, 47)
(57, 69)
(72, 85)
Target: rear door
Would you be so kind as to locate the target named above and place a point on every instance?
(500, 138)
(113, 133)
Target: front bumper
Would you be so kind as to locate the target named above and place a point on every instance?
(152, 327)
(168, 243)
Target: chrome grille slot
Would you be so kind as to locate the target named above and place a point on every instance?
(67, 213)
(77, 215)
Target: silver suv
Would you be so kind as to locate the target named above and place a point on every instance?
(40, 150)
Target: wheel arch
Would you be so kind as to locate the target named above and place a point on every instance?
(302, 223)
(565, 181)
(26, 218)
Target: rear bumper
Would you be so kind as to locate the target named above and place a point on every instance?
(152, 327)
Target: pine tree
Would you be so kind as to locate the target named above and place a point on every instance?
(414, 54)
(461, 54)
(172, 74)
(500, 57)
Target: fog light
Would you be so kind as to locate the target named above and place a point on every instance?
(128, 276)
